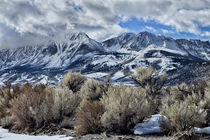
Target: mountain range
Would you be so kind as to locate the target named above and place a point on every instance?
(183, 60)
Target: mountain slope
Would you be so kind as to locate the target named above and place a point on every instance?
(117, 56)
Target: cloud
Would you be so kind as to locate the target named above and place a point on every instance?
(150, 29)
(165, 31)
(206, 33)
(184, 16)
(11, 38)
(22, 20)
(25, 22)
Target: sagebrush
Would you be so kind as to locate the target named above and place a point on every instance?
(124, 107)
(74, 81)
(88, 118)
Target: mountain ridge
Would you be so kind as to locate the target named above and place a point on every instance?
(115, 56)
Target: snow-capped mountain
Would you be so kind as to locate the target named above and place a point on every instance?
(117, 56)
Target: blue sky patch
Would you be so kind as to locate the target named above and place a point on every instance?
(138, 25)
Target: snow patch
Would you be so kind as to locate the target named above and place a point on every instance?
(117, 75)
(96, 75)
(205, 130)
(5, 135)
(150, 126)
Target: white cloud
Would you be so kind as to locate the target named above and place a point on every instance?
(206, 34)
(181, 14)
(150, 28)
(22, 20)
(165, 31)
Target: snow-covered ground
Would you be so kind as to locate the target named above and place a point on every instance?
(205, 130)
(5, 135)
(151, 126)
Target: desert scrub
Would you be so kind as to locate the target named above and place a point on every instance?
(7, 93)
(181, 91)
(88, 118)
(149, 79)
(5, 96)
(151, 84)
(183, 116)
(65, 101)
(41, 105)
(32, 108)
(124, 107)
(93, 90)
(185, 107)
(205, 103)
(74, 81)
(6, 122)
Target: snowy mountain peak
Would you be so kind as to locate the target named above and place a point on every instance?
(126, 36)
(77, 36)
(115, 56)
(145, 33)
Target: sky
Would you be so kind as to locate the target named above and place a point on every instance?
(30, 22)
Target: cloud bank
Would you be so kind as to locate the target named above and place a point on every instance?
(24, 22)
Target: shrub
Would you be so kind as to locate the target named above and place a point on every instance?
(185, 106)
(7, 93)
(32, 108)
(88, 118)
(183, 116)
(165, 126)
(149, 78)
(6, 122)
(180, 92)
(5, 97)
(74, 81)
(151, 84)
(193, 94)
(65, 101)
(124, 107)
(167, 101)
(107, 81)
(38, 106)
(187, 135)
(194, 98)
(205, 103)
(93, 90)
